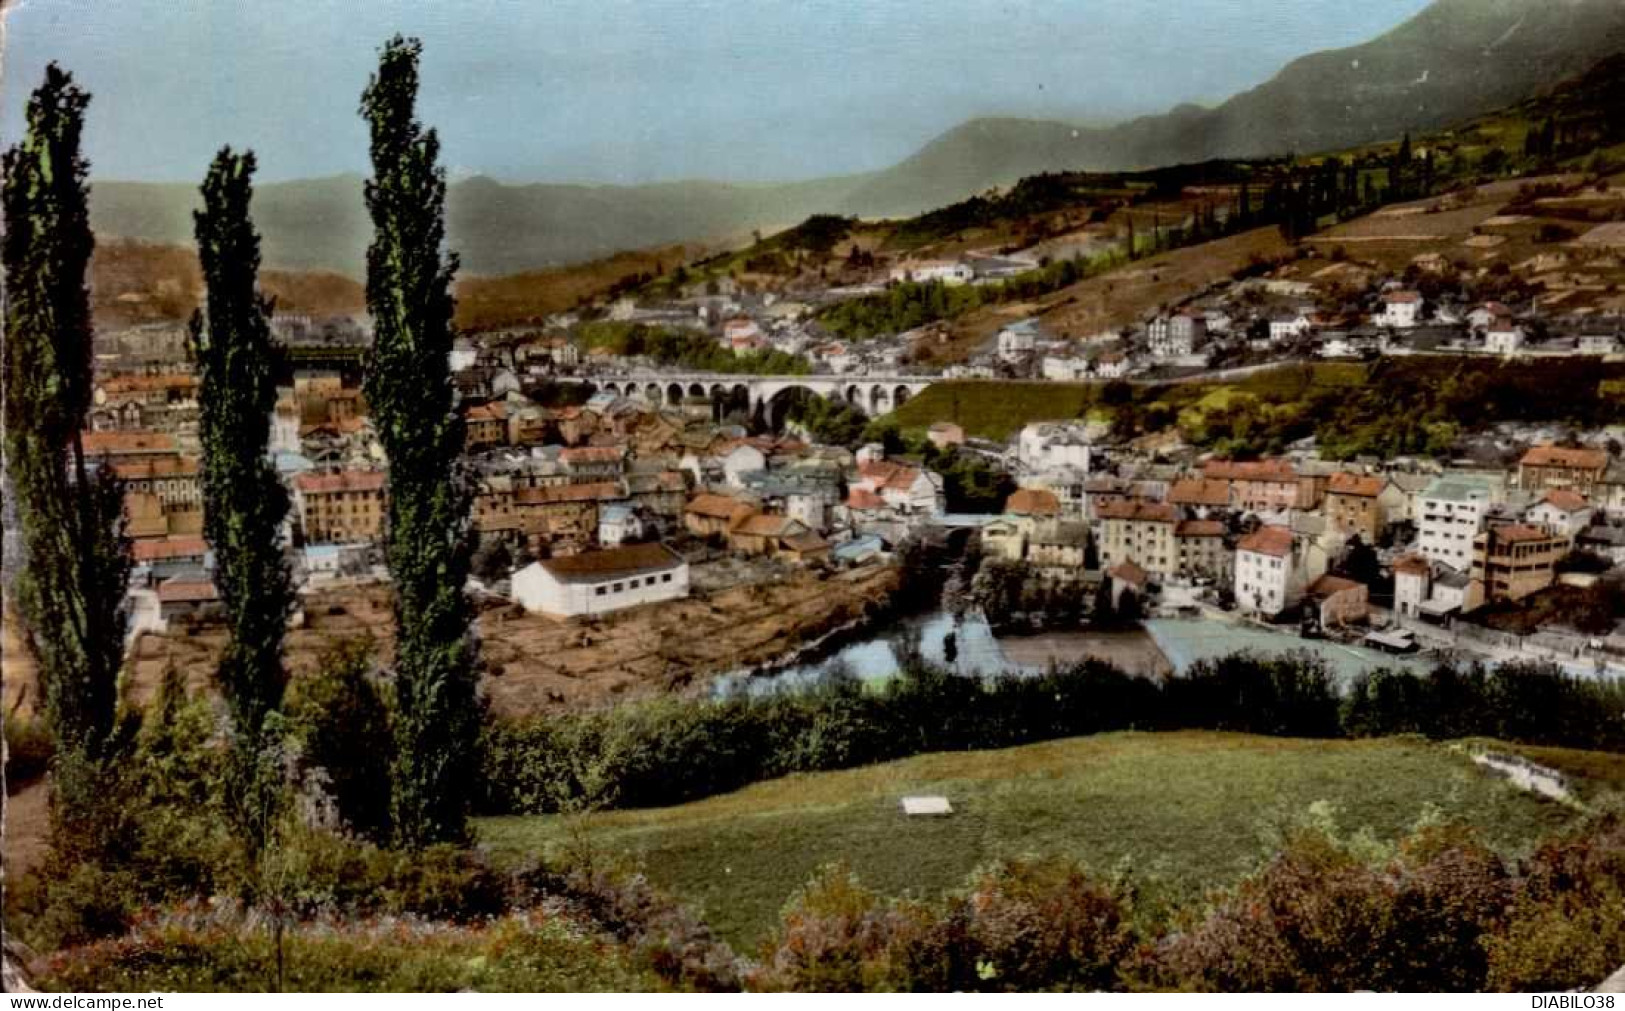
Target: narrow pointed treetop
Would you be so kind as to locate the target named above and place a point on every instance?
(244, 502)
(409, 391)
(70, 589)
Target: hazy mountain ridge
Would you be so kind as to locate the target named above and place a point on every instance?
(1455, 60)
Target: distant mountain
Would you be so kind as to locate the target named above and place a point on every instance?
(1455, 60)
(322, 224)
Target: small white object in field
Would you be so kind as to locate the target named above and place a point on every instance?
(927, 806)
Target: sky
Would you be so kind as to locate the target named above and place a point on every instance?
(629, 91)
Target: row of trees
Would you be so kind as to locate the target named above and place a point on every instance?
(71, 589)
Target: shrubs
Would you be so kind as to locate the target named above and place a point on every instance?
(28, 751)
(1440, 912)
(341, 718)
(672, 751)
(1320, 918)
(230, 952)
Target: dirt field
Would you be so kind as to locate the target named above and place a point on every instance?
(536, 663)
(1122, 297)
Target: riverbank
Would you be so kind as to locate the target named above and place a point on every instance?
(539, 664)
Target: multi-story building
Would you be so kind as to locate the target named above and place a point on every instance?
(1578, 468)
(1262, 485)
(1563, 512)
(1056, 549)
(1353, 505)
(486, 425)
(1270, 576)
(1201, 550)
(340, 507)
(1139, 532)
(1450, 512)
(1512, 561)
(172, 478)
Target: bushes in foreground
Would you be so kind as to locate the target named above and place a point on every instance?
(673, 751)
(198, 951)
(1439, 912)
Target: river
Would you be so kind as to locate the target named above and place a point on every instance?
(876, 655)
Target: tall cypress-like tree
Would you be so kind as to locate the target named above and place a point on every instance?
(408, 388)
(71, 586)
(244, 502)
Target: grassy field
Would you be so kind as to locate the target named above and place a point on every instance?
(995, 410)
(999, 410)
(1181, 812)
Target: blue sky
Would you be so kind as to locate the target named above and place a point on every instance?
(622, 91)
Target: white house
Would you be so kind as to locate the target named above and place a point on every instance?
(1113, 365)
(1424, 590)
(1482, 316)
(1288, 326)
(1048, 445)
(1563, 512)
(1270, 575)
(618, 524)
(1504, 337)
(741, 460)
(597, 582)
(1449, 514)
(1066, 368)
(1018, 339)
(1400, 310)
(463, 355)
(949, 272)
(1176, 336)
(1598, 344)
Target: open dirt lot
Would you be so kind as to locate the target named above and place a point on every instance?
(536, 663)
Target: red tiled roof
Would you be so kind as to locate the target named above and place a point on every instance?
(1359, 485)
(313, 483)
(1274, 541)
(114, 443)
(1513, 533)
(1564, 456)
(1567, 500)
(162, 381)
(1329, 584)
(597, 566)
(1199, 528)
(495, 411)
(719, 507)
(764, 525)
(1198, 491)
(591, 491)
(592, 454)
(162, 549)
(182, 590)
(1414, 565)
(1136, 509)
(1129, 573)
(886, 474)
(1033, 502)
(156, 467)
(1250, 470)
(863, 498)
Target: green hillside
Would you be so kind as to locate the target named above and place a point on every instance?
(1180, 812)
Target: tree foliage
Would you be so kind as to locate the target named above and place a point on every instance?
(408, 386)
(71, 590)
(244, 502)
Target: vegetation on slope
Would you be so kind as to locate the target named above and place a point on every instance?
(1180, 813)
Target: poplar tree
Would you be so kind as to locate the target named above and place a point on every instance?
(244, 502)
(71, 586)
(409, 390)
